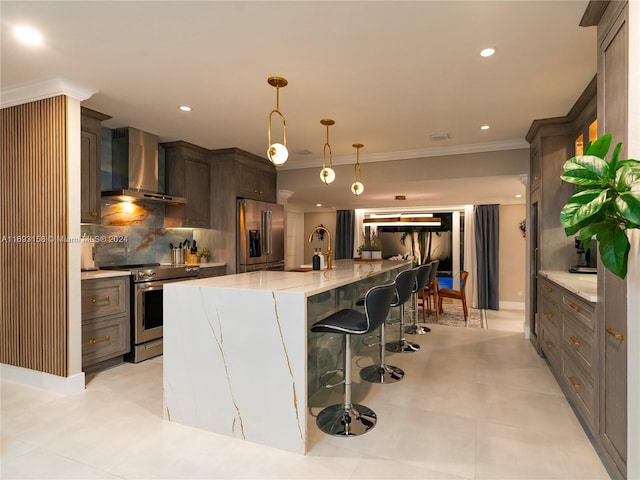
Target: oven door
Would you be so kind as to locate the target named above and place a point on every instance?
(147, 318)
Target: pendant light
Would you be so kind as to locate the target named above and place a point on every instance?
(327, 175)
(277, 152)
(357, 187)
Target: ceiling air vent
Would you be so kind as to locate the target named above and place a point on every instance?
(440, 136)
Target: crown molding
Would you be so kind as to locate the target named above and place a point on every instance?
(515, 144)
(31, 92)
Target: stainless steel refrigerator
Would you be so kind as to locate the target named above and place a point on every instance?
(260, 236)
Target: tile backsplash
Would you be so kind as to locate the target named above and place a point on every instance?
(133, 233)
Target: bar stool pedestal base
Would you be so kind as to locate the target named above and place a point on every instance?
(416, 329)
(339, 421)
(402, 347)
(382, 374)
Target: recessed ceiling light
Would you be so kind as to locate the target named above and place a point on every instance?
(485, 127)
(487, 52)
(185, 108)
(518, 196)
(28, 36)
(318, 204)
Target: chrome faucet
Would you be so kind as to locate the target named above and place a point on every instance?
(329, 253)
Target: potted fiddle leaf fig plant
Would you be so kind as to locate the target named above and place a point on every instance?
(606, 202)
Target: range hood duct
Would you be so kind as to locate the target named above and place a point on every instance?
(135, 168)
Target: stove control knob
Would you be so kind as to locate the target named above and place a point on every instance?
(151, 274)
(141, 274)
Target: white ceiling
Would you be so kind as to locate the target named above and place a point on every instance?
(389, 73)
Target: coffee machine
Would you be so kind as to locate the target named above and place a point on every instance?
(587, 258)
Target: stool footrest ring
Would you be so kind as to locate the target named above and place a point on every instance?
(416, 329)
(323, 378)
(402, 347)
(382, 374)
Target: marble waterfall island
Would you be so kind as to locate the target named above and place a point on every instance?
(239, 358)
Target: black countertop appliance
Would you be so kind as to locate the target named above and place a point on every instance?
(587, 257)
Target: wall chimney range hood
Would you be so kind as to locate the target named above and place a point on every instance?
(135, 168)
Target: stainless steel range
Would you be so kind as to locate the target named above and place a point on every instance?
(147, 281)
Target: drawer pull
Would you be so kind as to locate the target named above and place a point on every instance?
(575, 341)
(574, 382)
(549, 345)
(100, 299)
(575, 307)
(548, 314)
(617, 336)
(548, 289)
(93, 341)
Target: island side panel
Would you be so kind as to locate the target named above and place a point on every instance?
(235, 363)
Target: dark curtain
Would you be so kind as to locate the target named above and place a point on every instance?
(487, 220)
(344, 234)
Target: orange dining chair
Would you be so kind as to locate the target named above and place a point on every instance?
(424, 296)
(454, 294)
(431, 290)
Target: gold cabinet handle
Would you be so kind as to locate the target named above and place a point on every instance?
(548, 289)
(548, 314)
(93, 341)
(574, 382)
(617, 336)
(100, 299)
(575, 341)
(575, 307)
(94, 214)
(549, 345)
(187, 220)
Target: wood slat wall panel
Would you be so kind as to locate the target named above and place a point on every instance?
(33, 229)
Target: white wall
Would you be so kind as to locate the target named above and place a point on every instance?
(295, 244)
(513, 257)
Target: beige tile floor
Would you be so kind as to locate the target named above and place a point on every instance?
(510, 320)
(475, 404)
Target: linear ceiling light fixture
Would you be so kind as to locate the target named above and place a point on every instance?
(403, 220)
(357, 187)
(327, 175)
(277, 152)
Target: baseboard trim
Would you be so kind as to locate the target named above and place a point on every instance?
(511, 305)
(33, 378)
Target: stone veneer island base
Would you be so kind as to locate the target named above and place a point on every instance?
(239, 358)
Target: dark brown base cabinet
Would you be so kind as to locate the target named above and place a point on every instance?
(206, 272)
(571, 346)
(106, 329)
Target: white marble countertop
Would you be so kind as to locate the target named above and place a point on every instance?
(584, 285)
(92, 274)
(309, 283)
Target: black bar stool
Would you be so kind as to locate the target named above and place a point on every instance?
(422, 279)
(404, 286)
(347, 419)
(381, 372)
